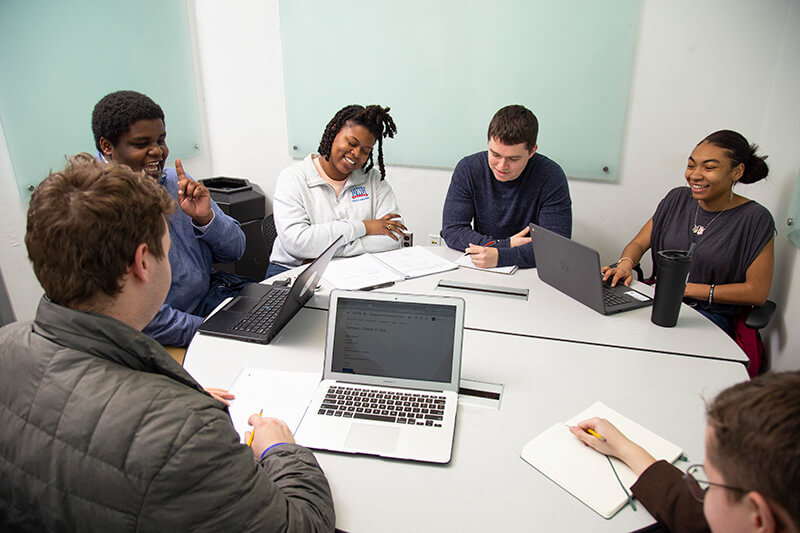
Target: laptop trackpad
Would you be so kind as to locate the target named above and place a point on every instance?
(241, 304)
(375, 439)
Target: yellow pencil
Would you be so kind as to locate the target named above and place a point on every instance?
(592, 432)
(252, 433)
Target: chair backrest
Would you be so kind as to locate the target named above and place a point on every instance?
(269, 232)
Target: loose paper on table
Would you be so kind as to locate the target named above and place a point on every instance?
(281, 394)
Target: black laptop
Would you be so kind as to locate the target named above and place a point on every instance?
(259, 312)
(574, 269)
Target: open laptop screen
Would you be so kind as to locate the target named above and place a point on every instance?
(395, 339)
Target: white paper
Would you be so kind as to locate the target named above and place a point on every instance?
(415, 261)
(281, 394)
(466, 261)
(358, 272)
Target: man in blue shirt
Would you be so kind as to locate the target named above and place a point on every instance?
(494, 195)
(129, 128)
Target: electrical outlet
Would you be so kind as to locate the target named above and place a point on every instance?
(434, 239)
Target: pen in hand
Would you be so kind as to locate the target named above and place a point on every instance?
(487, 245)
(253, 433)
(592, 432)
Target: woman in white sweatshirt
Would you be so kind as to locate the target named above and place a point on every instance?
(338, 192)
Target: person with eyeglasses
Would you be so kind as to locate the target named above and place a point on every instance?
(751, 474)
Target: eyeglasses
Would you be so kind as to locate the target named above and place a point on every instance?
(699, 487)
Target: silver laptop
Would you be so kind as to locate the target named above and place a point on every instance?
(574, 269)
(391, 376)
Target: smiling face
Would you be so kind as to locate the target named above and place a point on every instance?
(349, 151)
(710, 174)
(508, 161)
(142, 147)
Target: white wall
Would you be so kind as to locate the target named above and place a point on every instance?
(699, 67)
(23, 287)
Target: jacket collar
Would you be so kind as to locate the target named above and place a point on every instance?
(313, 179)
(107, 338)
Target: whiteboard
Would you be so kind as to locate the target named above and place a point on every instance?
(445, 67)
(59, 58)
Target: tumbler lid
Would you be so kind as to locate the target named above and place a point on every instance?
(676, 255)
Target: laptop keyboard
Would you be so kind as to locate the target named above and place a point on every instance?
(421, 409)
(260, 321)
(611, 298)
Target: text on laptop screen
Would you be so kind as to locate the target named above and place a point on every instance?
(394, 339)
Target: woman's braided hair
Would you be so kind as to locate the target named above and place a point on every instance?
(373, 117)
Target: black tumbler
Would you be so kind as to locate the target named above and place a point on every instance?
(672, 268)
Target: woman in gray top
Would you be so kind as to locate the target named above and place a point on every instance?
(733, 237)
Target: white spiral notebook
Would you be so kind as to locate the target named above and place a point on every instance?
(585, 473)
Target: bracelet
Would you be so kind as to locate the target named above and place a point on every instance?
(264, 453)
(711, 294)
(623, 258)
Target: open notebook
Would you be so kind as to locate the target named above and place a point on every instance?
(585, 473)
(372, 270)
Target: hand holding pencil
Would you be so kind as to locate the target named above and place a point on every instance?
(266, 432)
(253, 433)
(603, 436)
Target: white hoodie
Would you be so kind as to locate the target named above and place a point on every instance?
(309, 216)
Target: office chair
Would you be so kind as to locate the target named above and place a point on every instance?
(755, 319)
(270, 233)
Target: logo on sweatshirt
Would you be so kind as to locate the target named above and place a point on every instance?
(358, 194)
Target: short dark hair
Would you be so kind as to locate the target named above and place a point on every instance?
(85, 223)
(756, 433)
(375, 118)
(740, 151)
(115, 113)
(514, 124)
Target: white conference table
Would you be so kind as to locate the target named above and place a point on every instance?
(487, 485)
(550, 314)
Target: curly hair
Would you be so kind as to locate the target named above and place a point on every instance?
(373, 117)
(114, 114)
(85, 223)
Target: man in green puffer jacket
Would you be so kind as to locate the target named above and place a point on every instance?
(101, 429)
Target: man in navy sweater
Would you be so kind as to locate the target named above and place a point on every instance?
(494, 195)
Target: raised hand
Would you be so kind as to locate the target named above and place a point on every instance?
(193, 197)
